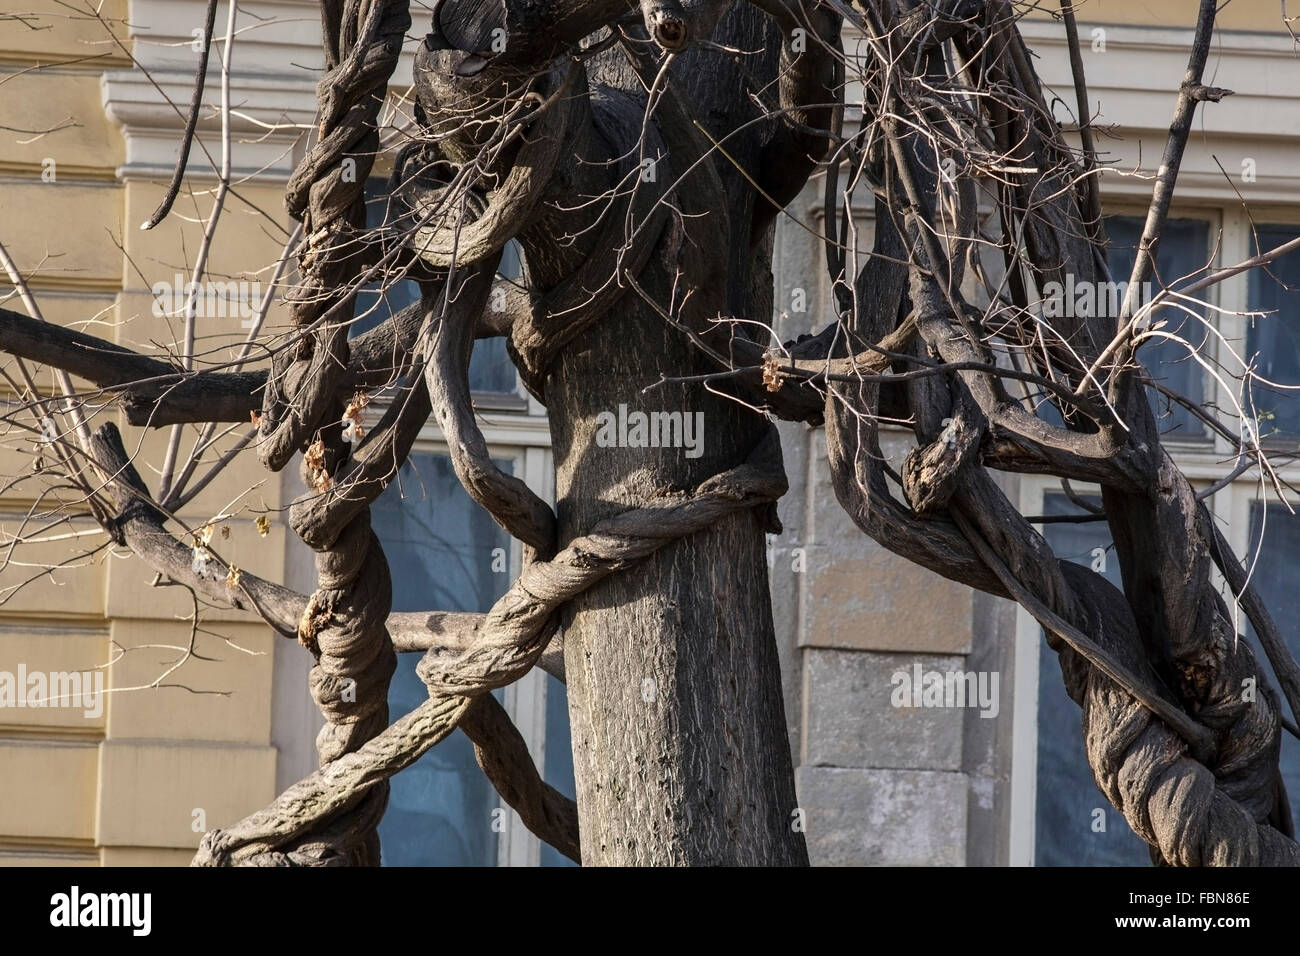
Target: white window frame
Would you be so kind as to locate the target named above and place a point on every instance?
(523, 438)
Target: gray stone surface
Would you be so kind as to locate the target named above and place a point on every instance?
(883, 817)
(881, 784)
(852, 721)
(858, 594)
(987, 744)
(785, 583)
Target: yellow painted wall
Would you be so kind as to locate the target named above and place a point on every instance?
(1258, 15)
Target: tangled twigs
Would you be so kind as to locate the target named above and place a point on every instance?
(155, 393)
(511, 638)
(1173, 742)
(665, 178)
(446, 241)
(139, 526)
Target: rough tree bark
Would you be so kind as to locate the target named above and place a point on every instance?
(679, 730)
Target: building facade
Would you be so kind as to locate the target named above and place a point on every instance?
(1000, 782)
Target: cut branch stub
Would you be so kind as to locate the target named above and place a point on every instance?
(931, 474)
(674, 24)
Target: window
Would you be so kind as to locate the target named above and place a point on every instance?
(1074, 824)
(445, 552)
(1274, 339)
(1276, 576)
(1183, 250)
(1053, 794)
(440, 547)
(490, 370)
(1055, 801)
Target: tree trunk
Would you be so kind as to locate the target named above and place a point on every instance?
(680, 744)
(679, 734)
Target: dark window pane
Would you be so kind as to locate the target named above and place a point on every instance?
(1067, 798)
(440, 548)
(1274, 340)
(490, 369)
(1277, 578)
(1183, 249)
(375, 303)
(558, 771)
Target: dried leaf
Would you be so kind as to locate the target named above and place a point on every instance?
(771, 375)
(315, 456)
(352, 427)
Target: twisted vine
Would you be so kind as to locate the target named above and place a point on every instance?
(344, 622)
(508, 641)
